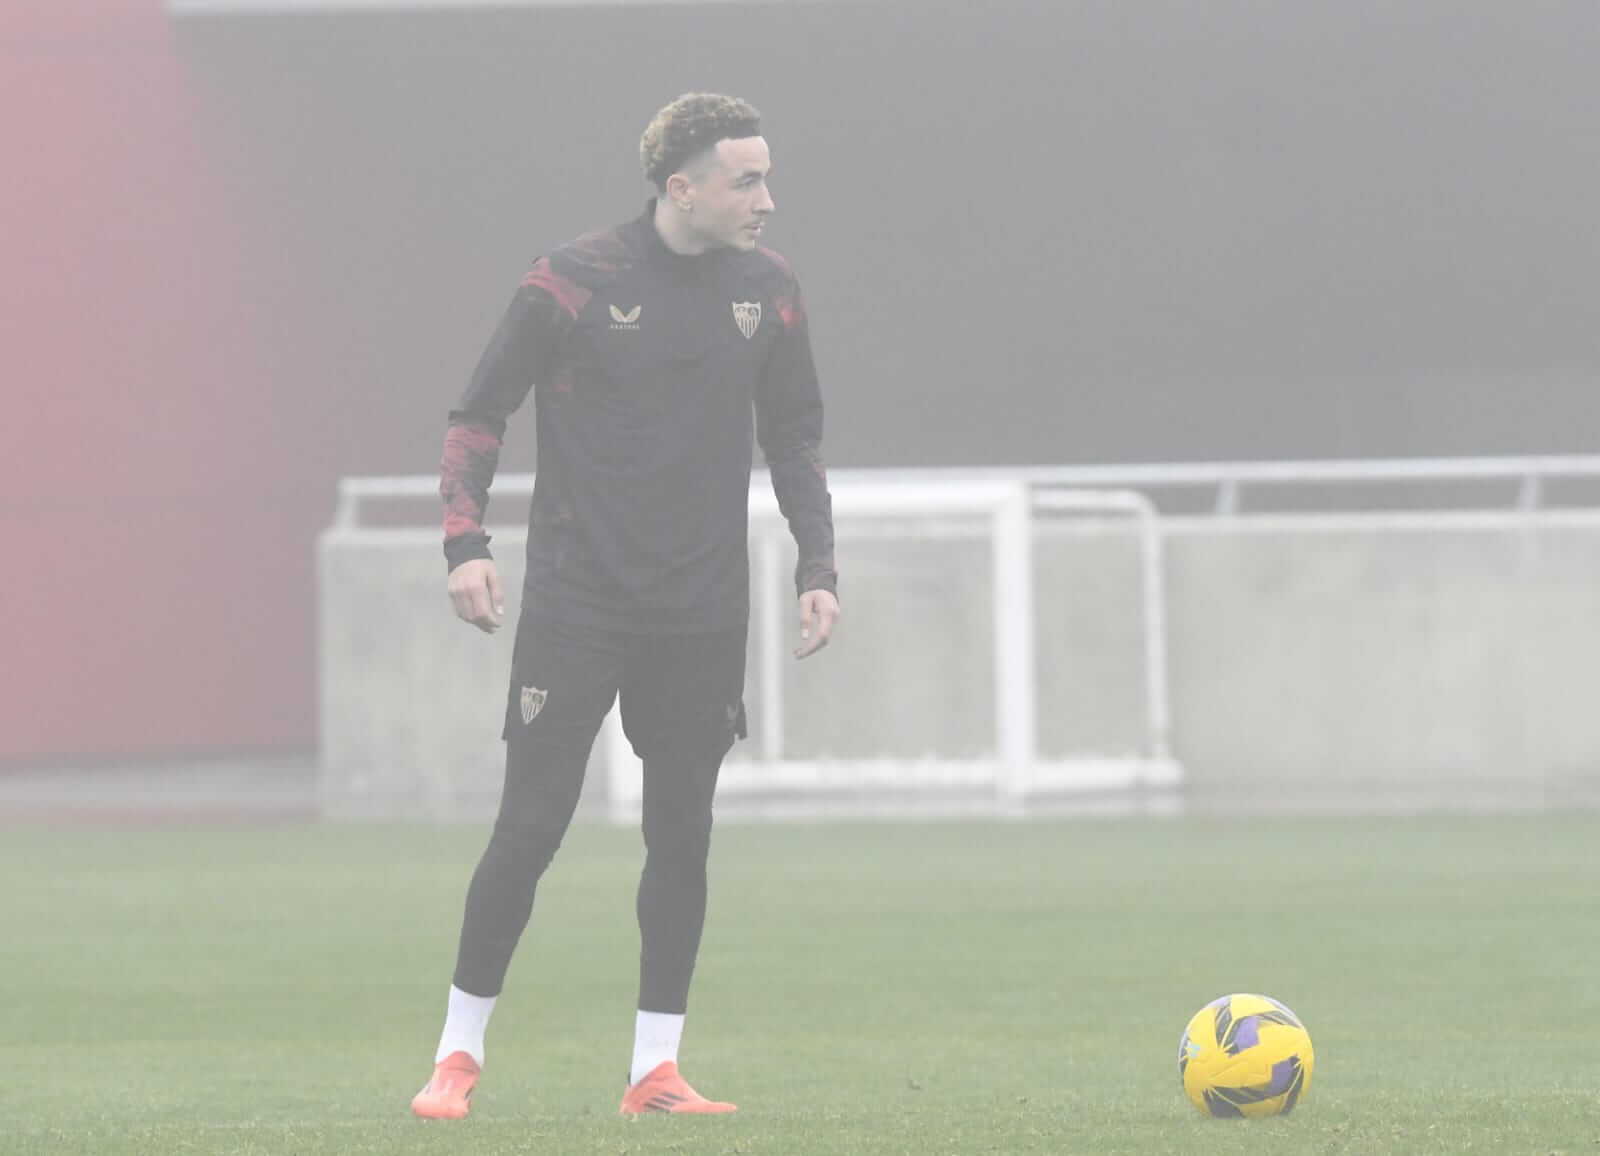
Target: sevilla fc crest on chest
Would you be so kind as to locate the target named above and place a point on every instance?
(532, 703)
(747, 315)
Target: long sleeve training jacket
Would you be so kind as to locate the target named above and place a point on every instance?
(646, 366)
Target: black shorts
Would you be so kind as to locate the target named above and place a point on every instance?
(678, 690)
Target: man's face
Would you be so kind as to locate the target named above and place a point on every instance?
(729, 193)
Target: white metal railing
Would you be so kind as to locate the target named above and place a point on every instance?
(1010, 500)
(1228, 479)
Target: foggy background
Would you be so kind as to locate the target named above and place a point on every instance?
(255, 252)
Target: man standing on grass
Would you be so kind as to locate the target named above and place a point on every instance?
(647, 347)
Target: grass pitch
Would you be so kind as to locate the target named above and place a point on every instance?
(863, 988)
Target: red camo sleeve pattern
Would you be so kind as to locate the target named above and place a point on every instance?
(789, 429)
(524, 350)
(471, 453)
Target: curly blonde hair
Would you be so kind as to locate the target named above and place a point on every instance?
(688, 126)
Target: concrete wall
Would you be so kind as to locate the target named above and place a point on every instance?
(1389, 664)
(411, 698)
(1360, 662)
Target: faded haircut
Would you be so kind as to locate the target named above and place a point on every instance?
(689, 126)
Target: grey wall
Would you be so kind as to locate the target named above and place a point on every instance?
(1037, 232)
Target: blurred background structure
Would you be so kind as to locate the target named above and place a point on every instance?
(258, 249)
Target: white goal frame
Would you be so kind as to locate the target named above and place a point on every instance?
(1011, 503)
(1015, 774)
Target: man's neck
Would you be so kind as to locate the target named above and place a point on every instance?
(675, 232)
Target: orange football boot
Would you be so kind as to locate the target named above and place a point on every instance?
(664, 1090)
(445, 1096)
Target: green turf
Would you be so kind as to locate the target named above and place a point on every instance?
(863, 988)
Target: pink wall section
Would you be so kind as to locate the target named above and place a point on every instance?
(158, 542)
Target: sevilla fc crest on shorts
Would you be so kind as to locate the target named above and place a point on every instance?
(747, 314)
(532, 703)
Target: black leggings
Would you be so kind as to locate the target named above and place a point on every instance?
(681, 710)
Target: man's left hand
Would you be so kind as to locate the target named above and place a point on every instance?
(819, 610)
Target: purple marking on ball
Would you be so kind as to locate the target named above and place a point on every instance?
(1283, 1074)
(1219, 1001)
(1248, 1034)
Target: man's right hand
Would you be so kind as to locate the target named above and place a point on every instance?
(475, 593)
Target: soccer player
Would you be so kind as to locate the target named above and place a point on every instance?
(647, 347)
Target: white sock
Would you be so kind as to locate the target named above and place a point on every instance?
(655, 1041)
(464, 1024)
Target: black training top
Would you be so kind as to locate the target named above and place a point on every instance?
(646, 364)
